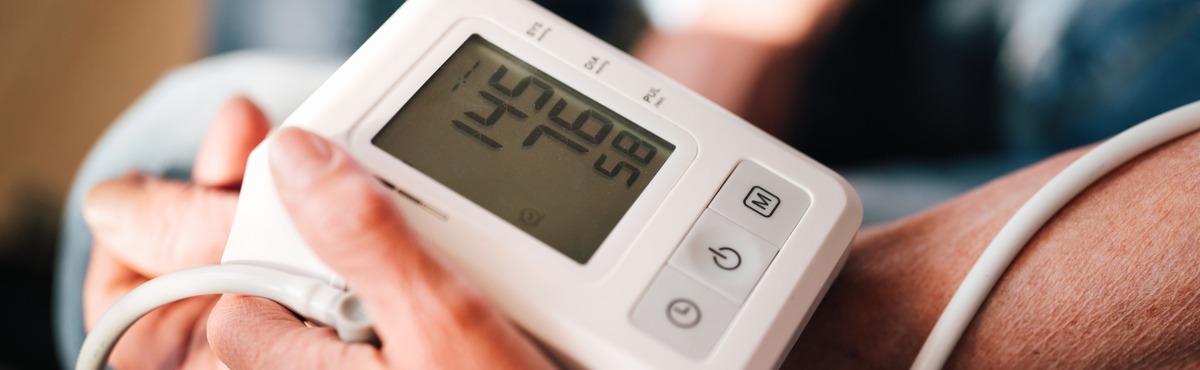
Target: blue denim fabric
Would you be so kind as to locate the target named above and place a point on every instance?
(1117, 63)
(1084, 70)
(159, 135)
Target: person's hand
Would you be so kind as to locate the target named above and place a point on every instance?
(143, 227)
(426, 315)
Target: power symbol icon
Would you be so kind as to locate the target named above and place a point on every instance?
(726, 258)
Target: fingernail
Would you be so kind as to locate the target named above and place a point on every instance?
(299, 158)
(110, 203)
(231, 108)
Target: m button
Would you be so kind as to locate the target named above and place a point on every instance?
(761, 201)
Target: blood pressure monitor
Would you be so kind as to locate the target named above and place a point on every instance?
(620, 219)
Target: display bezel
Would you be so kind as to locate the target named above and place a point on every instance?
(453, 205)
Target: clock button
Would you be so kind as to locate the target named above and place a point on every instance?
(683, 313)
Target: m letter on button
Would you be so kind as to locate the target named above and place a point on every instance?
(761, 201)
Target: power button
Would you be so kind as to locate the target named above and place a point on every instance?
(723, 255)
(726, 258)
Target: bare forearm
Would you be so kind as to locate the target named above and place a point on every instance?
(1112, 281)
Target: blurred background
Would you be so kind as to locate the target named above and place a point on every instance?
(67, 69)
(913, 101)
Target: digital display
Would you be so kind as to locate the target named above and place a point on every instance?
(526, 147)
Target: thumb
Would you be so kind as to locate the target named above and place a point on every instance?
(256, 333)
(349, 221)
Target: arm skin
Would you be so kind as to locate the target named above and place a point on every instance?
(1112, 281)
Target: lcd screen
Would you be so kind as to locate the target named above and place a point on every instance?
(528, 148)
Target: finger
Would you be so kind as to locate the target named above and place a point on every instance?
(107, 281)
(256, 333)
(167, 337)
(158, 226)
(235, 131)
(156, 340)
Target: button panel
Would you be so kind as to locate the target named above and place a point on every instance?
(695, 297)
(726, 256)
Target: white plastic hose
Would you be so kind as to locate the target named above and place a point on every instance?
(1030, 218)
(308, 297)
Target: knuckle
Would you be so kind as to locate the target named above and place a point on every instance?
(189, 225)
(466, 307)
(169, 207)
(362, 215)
